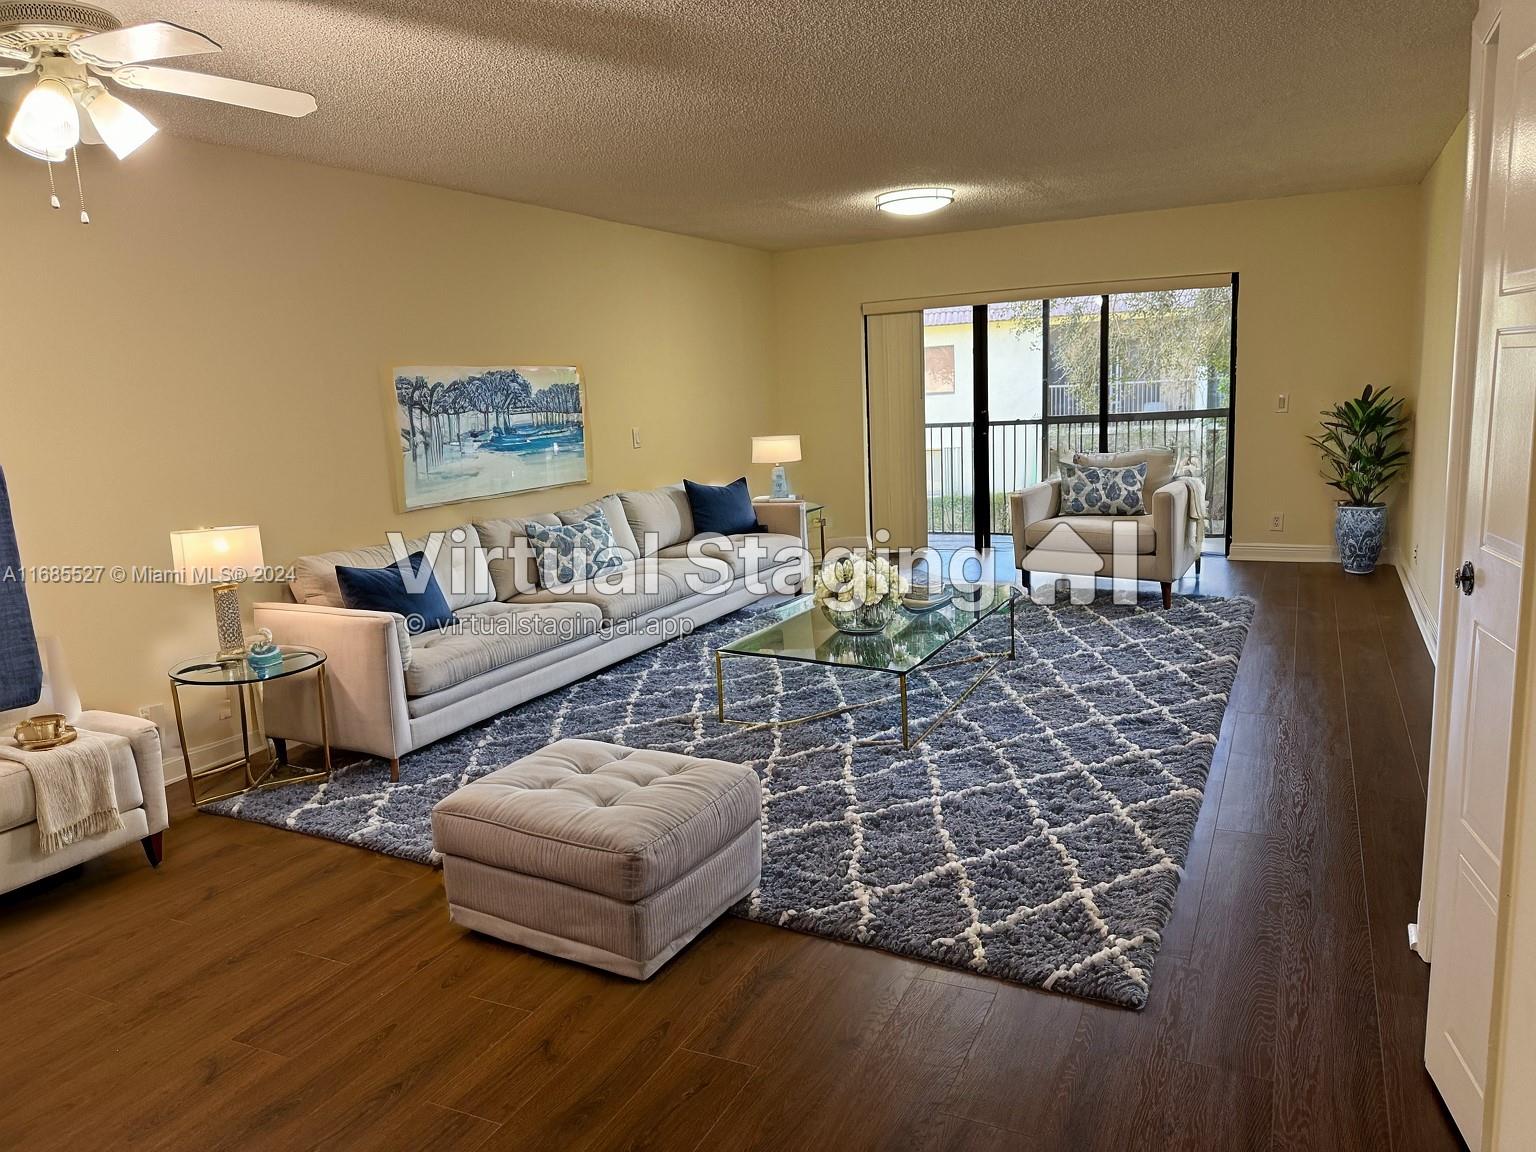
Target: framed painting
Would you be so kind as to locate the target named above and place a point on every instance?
(468, 433)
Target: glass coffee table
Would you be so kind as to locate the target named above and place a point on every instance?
(799, 632)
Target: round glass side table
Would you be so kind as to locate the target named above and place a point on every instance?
(259, 766)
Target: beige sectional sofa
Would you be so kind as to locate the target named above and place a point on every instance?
(391, 692)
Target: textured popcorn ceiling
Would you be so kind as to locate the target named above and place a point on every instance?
(774, 122)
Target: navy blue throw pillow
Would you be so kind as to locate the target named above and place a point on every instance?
(384, 590)
(722, 508)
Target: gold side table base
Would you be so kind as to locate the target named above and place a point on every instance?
(258, 768)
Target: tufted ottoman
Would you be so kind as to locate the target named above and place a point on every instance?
(614, 857)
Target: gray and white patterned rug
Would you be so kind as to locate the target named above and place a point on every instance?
(1037, 835)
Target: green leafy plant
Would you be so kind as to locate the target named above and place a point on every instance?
(1362, 452)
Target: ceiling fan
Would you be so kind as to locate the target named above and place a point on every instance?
(73, 48)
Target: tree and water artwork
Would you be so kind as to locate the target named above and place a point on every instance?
(469, 433)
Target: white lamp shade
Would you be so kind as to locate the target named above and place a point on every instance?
(121, 127)
(775, 449)
(216, 555)
(47, 125)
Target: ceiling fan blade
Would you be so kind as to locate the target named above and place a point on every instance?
(262, 97)
(158, 40)
(9, 53)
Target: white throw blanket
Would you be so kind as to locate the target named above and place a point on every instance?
(73, 788)
(1195, 506)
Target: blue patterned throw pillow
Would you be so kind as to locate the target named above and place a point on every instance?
(566, 553)
(1087, 491)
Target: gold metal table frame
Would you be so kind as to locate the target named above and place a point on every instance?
(992, 659)
(262, 768)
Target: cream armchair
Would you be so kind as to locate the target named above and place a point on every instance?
(1169, 538)
(138, 779)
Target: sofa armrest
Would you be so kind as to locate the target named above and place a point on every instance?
(1035, 503)
(1170, 520)
(144, 738)
(365, 678)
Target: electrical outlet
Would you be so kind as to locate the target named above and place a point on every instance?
(1282, 402)
(1277, 522)
(1415, 553)
(634, 437)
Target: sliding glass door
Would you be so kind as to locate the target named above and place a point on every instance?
(1010, 388)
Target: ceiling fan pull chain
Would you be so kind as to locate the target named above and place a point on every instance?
(53, 193)
(85, 217)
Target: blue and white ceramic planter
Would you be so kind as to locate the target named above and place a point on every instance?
(1359, 530)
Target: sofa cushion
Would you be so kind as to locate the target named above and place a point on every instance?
(1087, 490)
(623, 822)
(459, 564)
(612, 509)
(567, 553)
(676, 562)
(661, 512)
(491, 636)
(1162, 464)
(18, 804)
(500, 537)
(386, 590)
(649, 590)
(1095, 531)
(721, 509)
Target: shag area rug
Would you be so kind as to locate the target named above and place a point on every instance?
(1037, 835)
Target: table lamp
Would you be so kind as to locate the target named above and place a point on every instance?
(222, 557)
(778, 451)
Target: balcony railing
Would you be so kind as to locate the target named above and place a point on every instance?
(1024, 452)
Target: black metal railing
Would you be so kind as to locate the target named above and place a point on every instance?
(1024, 452)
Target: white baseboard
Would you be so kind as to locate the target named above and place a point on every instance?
(1286, 553)
(1423, 614)
(174, 764)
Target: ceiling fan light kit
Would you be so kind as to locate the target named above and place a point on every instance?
(73, 48)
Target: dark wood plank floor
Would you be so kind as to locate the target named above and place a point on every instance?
(268, 990)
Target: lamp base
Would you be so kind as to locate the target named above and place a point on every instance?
(780, 484)
(226, 618)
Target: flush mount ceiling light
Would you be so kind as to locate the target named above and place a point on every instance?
(914, 201)
(70, 45)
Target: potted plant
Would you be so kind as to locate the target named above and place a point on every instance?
(1362, 456)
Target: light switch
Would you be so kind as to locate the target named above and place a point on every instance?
(1282, 402)
(634, 437)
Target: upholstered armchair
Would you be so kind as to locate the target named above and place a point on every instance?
(33, 679)
(1168, 537)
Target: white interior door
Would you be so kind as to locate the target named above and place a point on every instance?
(1501, 228)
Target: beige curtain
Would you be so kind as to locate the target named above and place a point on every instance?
(898, 498)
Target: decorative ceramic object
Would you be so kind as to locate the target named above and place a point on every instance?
(859, 593)
(263, 655)
(1362, 456)
(1359, 530)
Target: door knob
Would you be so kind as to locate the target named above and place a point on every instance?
(1465, 578)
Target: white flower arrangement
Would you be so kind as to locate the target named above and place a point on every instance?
(861, 590)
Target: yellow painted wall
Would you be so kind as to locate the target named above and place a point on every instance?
(1420, 517)
(212, 350)
(1327, 304)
